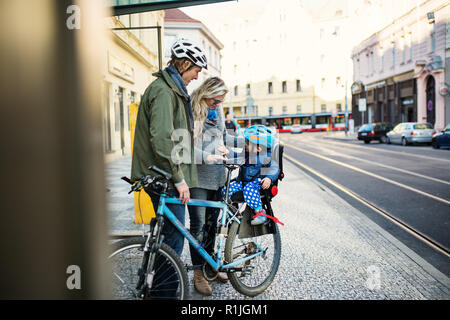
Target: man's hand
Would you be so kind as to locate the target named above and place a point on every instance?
(265, 183)
(185, 195)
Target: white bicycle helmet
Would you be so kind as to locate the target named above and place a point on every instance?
(184, 48)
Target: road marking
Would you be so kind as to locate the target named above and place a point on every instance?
(394, 152)
(385, 166)
(391, 218)
(370, 174)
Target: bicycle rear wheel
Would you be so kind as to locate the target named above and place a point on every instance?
(258, 273)
(127, 256)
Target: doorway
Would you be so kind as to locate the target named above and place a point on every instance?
(431, 100)
(122, 121)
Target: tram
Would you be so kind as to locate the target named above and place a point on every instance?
(308, 122)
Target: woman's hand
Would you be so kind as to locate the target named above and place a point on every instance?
(224, 151)
(212, 158)
(265, 183)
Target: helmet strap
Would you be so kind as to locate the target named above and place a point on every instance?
(188, 68)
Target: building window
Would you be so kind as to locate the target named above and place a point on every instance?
(323, 108)
(336, 31)
(372, 57)
(270, 111)
(169, 40)
(358, 68)
(403, 50)
(393, 55)
(338, 82)
(284, 110)
(299, 109)
(270, 88)
(368, 65)
(433, 38)
(339, 107)
(236, 91)
(410, 45)
(248, 89)
(299, 86)
(382, 63)
(284, 86)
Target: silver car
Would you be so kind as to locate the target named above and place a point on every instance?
(296, 128)
(411, 132)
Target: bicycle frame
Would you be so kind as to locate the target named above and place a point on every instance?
(216, 264)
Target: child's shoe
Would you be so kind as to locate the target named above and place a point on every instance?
(258, 218)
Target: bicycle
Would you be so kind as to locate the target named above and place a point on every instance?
(146, 268)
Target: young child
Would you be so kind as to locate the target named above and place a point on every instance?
(259, 170)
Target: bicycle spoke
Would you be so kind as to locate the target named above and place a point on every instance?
(169, 277)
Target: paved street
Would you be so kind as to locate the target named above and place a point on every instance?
(330, 247)
(410, 183)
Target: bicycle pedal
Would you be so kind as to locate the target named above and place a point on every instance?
(247, 271)
(190, 268)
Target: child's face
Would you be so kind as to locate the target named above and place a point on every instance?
(252, 148)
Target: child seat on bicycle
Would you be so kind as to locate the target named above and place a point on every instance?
(259, 171)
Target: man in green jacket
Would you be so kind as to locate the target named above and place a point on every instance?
(163, 134)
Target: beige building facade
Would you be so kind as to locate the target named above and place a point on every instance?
(400, 70)
(293, 61)
(178, 25)
(129, 61)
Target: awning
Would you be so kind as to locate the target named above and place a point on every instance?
(121, 7)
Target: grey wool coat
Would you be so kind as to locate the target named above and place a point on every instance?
(212, 176)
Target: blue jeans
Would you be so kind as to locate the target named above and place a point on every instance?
(172, 237)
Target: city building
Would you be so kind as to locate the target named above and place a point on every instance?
(129, 61)
(290, 63)
(177, 25)
(399, 71)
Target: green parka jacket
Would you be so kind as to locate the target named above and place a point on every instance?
(162, 135)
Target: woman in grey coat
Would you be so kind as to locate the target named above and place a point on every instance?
(209, 137)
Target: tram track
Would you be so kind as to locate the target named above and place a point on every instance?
(429, 241)
(415, 232)
(373, 175)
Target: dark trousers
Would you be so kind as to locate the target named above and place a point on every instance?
(172, 237)
(203, 223)
(165, 280)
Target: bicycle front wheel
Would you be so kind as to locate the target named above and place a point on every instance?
(257, 273)
(127, 257)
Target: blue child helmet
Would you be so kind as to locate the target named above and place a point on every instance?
(260, 135)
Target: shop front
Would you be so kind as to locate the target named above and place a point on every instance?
(392, 100)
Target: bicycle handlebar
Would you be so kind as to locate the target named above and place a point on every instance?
(166, 175)
(232, 163)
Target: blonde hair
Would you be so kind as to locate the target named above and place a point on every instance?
(211, 88)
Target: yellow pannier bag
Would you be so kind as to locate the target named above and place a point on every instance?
(143, 206)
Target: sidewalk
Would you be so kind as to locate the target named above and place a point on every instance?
(120, 203)
(340, 135)
(330, 250)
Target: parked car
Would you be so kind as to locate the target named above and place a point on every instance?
(296, 128)
(411, 132)
(374, 131)
(441, 139)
